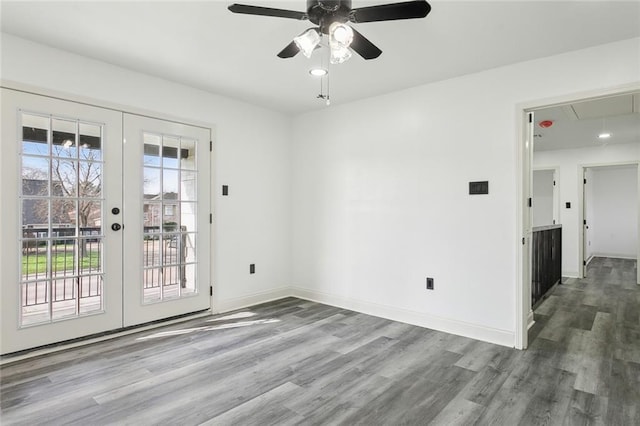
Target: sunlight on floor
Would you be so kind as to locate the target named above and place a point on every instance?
(238, 315)
(214, 327)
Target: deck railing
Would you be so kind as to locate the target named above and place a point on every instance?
(70, 259)
(546, 268)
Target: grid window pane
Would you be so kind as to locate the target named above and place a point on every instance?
(61, 215)
(35, 176)
(90, 142)
(189, 279)
(34, 296)
(187, 154)
(64, 139)
(169, 209)
(35, 135)
(170, 152)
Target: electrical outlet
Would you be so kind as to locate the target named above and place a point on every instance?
(429, 283)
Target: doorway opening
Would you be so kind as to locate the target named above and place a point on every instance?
(610, 200)
(567, 135)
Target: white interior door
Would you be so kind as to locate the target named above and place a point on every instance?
(166, 219)
(61, 262)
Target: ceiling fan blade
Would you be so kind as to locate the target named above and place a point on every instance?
(390, 12)
(363, 47)
(267, 11)
(290, 51)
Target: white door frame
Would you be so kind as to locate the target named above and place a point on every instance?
(524, 171)
(581, 206)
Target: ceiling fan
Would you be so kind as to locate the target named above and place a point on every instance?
(331, 18)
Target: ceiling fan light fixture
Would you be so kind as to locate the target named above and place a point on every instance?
(318, 72)
(340, 34)
(308, 41)
(339, 55)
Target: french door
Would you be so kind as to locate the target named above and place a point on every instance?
(166, 265)
(99, 232)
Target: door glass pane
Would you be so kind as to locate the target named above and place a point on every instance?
(35, 176)
(151, 284)
(64, 143)
(170, 185)
(90, 184)
(152, 146)
(35, 135)
(169, 209)
(170, 152)
(90, 142)
(188, 217)
(189, 283)
(187, 154)
(61, 215)
(151, 183)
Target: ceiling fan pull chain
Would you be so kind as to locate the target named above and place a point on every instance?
(328, 99)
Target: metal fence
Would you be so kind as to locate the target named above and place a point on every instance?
(68, 258)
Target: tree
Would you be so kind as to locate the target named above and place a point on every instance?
(79, 178)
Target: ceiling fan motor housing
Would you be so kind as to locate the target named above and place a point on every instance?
(325, 12)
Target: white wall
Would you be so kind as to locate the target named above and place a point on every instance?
(571, 162)
(380, 193)
(542, 197)
(252, 156)
(614, 224)
(380, 186)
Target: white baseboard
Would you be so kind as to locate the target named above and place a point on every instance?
(227, 305)
(530, 320)
(473, 331)
(614, 256)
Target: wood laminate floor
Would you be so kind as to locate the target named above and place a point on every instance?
(299, 362)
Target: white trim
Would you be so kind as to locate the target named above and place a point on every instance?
(523, 230)
(530, 320)
(570, 274)
(612, 255)
(460, 328)
(226, 305)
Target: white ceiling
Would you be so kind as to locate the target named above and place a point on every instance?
(578, 125)
(202, 44)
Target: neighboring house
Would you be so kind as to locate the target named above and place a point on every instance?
(155, 212)
(35, 212)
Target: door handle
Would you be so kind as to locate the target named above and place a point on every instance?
(116, 226)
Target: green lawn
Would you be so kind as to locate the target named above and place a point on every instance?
(37, 263)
